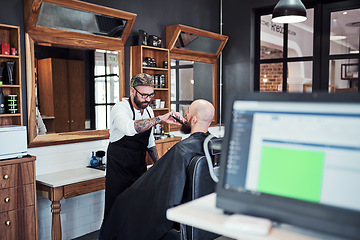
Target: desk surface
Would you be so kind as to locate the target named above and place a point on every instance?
(202, 213)
(71, 176)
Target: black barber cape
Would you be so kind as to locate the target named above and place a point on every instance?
(140, 211)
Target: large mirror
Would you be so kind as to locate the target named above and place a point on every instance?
(194, 53)
(71, 85)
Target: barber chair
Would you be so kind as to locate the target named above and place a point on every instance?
(200, 181)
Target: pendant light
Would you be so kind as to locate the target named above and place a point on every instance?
(289, 11)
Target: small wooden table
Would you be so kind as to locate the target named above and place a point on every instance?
(67, 184)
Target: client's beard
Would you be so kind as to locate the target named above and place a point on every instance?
(186, 127)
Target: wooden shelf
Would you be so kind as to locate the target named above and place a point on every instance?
(10, 115)
(161, 89)
(156, 69)
(10, 86)
(9, 56)
(11, 35)
(137, 56)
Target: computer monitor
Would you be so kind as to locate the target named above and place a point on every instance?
(293, 158)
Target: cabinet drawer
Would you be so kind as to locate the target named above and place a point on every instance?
(16, 174)
(17, 197)
(18, 224)
(167, 145)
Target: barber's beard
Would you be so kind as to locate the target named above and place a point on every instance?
(139, 103)
(186, 127)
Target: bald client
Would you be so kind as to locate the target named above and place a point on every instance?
(140, 211)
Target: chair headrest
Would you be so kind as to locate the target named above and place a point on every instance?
(215, 146)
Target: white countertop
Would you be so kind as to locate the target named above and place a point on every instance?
(67, 177)
(202, 213)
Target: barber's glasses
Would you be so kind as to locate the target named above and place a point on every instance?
(145, 96)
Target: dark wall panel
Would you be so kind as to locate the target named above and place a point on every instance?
(154, 16)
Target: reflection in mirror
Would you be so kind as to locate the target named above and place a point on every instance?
(197, 43)
(190, 81)
(75, 88)
(75, 20)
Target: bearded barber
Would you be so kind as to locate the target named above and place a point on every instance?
(131, 136)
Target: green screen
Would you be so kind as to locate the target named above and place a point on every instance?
(291, 173)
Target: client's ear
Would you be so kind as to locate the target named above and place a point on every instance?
(194, 120)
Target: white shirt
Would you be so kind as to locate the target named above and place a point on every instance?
(121, 122)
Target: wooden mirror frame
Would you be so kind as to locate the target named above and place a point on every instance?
(66, 38)
(172, 34)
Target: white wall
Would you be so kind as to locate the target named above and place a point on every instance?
(79, 215)
(82, 214)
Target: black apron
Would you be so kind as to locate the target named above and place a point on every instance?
(125, 163)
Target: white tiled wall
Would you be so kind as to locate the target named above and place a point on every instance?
(82, 214)
(79, 215)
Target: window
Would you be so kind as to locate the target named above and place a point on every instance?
(320, 54)
(106, 86)
(285, 55)
(344, 50)
(182, 85)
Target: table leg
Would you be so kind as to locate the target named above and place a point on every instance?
(57, 195)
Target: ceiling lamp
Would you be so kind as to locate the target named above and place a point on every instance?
(289, 11)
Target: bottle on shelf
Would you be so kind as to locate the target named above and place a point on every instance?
(2, 102)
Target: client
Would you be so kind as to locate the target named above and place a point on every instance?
(140, 211)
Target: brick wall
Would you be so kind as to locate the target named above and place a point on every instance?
(271, 74)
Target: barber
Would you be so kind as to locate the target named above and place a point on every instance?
(131, 136)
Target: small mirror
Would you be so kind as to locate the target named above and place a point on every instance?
(190, 81)
(75, 20)
(197, 43)
(194, 53)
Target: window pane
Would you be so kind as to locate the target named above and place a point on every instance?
(300, 37)
(343, 76)
(173, 108)
(99, 63)
(112, 89)
(173, 84)
(186, 84)
(100, 120)
(271, 77)
(344, 32)
(100, 90)
(271, 38)
(183, 108)
(299, 76)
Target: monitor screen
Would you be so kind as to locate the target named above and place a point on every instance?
(294, 158)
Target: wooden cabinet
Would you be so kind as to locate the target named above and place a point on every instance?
(18, 217)
(162, 146)
(62, 106)
(160, 55)
(11, 35)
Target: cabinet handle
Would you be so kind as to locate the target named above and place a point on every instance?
(7, 223)
(68, 121)
(169, 148)
(6, 177)
(72, 121)
(7, 200)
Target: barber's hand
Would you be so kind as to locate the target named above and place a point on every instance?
(167, 118)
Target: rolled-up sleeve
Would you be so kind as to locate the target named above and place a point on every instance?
(121, 121)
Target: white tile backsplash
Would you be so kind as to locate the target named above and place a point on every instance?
(79, 215)
(82, 214)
